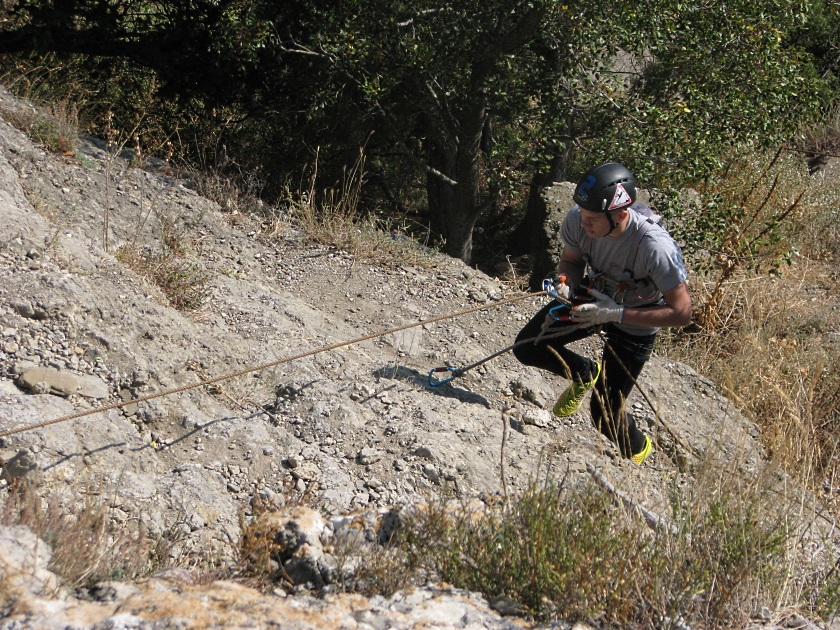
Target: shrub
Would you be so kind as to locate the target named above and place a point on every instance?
(575, 552)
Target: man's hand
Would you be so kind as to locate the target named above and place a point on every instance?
(602, 311)
(557, 288)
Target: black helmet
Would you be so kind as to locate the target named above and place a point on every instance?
(606, 187)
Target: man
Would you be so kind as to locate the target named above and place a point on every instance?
(635, 286)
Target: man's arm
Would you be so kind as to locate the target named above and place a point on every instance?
(675, 312)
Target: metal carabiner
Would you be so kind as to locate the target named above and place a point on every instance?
(435, 382)
(554, 313)
(550, 286)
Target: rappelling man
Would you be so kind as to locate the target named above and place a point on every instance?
(620, 273)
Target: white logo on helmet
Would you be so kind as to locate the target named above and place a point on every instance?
(620, 199)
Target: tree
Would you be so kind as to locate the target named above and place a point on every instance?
(668, 87)
(473, 95)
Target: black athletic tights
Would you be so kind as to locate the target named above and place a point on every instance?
(623, 359)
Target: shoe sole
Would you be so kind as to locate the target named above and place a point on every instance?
(646, 451)
(591, 385)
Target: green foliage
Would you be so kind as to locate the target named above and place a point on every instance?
(819, 36)
(553, 550)
(466, 100)
(717, 78)
(573, 553)
(705, 79)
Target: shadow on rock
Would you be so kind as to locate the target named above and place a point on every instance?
(447, 389)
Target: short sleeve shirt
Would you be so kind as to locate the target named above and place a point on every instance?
(632, 270)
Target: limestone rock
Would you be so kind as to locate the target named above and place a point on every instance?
(49, 380)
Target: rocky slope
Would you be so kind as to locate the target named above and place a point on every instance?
(348, 430)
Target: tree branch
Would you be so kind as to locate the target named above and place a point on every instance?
(302, 50)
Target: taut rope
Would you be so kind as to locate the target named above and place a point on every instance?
(224, 377)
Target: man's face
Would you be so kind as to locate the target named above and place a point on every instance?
(596, 224)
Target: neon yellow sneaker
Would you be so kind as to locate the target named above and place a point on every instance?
(571, 400)
(640, 457)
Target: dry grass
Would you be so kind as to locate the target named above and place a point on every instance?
(47, 112)
(767, 334)
(180, 276)
(55, 126)
(88, 545)
(772, 350)
(770, 342)
(333, 217)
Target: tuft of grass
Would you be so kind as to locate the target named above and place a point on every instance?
(259, 552)
(237, 194)
(57, 129)
(48, 111)
(333, 217)
(182, 280)
(88, 546)
(55, 126)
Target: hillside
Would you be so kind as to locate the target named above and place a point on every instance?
(346, 431)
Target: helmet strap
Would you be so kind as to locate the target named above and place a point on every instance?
(612, 223)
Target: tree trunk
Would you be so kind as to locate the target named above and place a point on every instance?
(455, 208)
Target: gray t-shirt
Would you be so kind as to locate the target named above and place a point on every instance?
(632, 271)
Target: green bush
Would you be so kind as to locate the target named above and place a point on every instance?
(576, 553)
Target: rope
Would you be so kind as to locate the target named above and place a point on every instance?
(653, 407)
(224, 377)
(458, 372)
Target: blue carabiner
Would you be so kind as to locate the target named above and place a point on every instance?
(548, 287)
(435, 383)
(554, 313)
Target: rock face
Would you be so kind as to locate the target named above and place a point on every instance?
(293, 413)
(545, 243)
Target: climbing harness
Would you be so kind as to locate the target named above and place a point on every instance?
(224, 377)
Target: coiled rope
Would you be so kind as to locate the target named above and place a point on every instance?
(224, 377)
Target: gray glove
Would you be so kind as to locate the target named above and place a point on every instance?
(602, 311)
